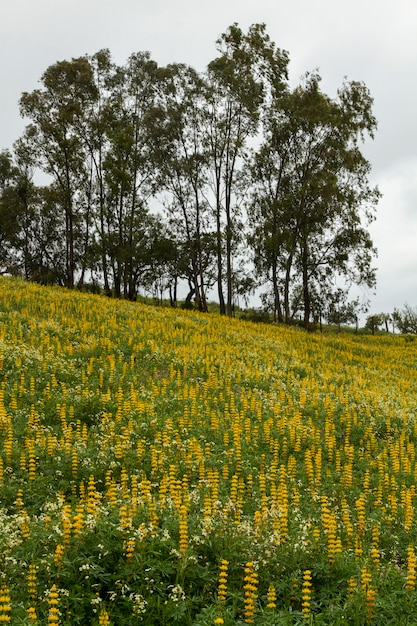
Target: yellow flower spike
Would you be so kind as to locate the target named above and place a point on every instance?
(370, 604)
(5, 604)
(93, 497)
(360, 508)
(222, 584)
(410, 584)
(271, 597)
(183, 530)
(53, 603)
(306, 592)
(250, 588)
(125, 518)
(22, 465)
(257, 522)
(8, 444)
(66, 524)
(130, 548)
(32, 466)
(19, 500)
(59, 552)
(74, 462)
(24, 525)
(104, 619)
(366, 578)
(408, 508)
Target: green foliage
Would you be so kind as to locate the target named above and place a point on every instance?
(310, 198)
(116, 141)
(143, 447)
(406, 319)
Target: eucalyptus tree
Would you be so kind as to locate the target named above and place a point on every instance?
(18, 216)
(405, 319)
(312, 201)
(271, 237)
(56, 146)
(247, 73)
(130, 166)
(9, 208)
(44, 257)
(22, 203)
(159, 256)
(183, 165)
(340, 310)
(31, 224)
(92, 125)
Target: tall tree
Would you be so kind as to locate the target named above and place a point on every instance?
(248, 70)
(9, 210)
(312, 200)
(92, 124)
(31, 228)
(130, 166)
(406, 319)
(52, 136)
(183, 162)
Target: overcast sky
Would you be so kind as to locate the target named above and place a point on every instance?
(374, 41)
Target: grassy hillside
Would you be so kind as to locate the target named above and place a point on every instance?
(159, 467)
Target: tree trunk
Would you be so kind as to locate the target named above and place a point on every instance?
(277, 300)
(288, 317)
(220, 265)
(306, 290)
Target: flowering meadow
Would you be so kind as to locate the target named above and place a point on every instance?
(162, 467)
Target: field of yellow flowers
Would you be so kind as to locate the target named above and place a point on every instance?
(164, 467)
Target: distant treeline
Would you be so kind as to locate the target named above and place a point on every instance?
(226, 179)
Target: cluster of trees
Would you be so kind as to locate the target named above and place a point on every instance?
(404, 320)
(227, 179)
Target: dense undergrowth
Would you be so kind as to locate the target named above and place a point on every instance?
(160, 466)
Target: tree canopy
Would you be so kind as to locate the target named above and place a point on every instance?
(226, 179)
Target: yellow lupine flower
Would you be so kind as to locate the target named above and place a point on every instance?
(5, 605)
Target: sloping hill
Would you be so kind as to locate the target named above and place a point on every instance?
(161, 466)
